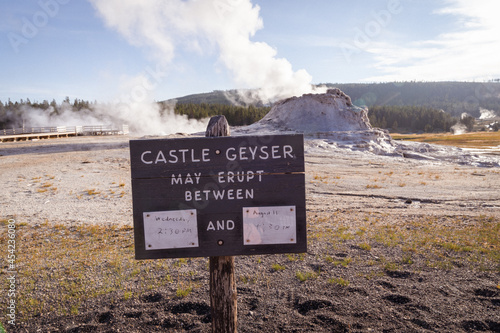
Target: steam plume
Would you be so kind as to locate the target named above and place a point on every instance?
(487, 114)
(226, 26)
(142, 117)
(459, 128)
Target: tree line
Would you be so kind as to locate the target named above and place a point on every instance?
(16, 114)
(235, 115)
(402, 106)
(397, 118)
(411, 118)
(454, 98)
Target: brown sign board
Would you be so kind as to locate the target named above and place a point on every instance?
(220, 196)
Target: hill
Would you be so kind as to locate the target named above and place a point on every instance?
(454, 98)
(224, 97)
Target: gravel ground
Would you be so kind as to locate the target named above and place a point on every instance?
(86, 180)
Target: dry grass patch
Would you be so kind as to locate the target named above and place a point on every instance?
(278, 267)
(339, 281)
(467, 140)
(419, 241)
(304, 276)
(60, 267)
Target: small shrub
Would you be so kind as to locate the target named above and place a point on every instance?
(456, 247)
(295, 257)
(365, 246)
(339, 281)
(344, 263)
(306, 276)
(407, 259)
(183, 292)
(361, 231)
(278, 267)
(391, 266)
(74, 310)
(180, 262)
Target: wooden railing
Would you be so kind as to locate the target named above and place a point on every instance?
(36, 133)
(105, 130)
(77, 130)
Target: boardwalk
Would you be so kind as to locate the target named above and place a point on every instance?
(38, 133)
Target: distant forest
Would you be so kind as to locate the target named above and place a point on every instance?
(398, 106)
(12, 114)
(403, 106)
(454, 98)
(235, 115)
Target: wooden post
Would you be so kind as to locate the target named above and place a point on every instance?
(223, 296)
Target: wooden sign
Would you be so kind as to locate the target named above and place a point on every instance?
(221, 196)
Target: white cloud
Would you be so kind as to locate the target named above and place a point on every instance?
(223, 26)
(468, 53)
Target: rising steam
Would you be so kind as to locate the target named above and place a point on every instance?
(459, 129)
(487, 114)
(142, 117)
(225, 26)
(163, 27)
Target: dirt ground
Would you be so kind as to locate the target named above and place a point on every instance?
(372, 263)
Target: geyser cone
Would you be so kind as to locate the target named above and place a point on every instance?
(317, 113)
(328, 117)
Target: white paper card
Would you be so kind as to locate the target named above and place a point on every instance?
(269, 225)
(170, 229)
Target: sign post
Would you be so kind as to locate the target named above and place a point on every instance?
(223, 293)
(219, 197)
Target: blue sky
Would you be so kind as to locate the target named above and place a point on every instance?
(110, 50)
